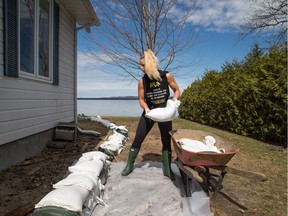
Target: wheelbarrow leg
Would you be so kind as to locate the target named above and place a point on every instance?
(202, 172)
(186, 183)
(219, 185)
(214, 181)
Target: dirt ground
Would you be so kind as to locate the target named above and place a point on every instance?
(24, 184)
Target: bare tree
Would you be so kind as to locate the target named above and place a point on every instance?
(269, 15)
(129, 27)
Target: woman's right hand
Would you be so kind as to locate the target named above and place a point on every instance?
(147, 110)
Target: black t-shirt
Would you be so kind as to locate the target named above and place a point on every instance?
(156, 93)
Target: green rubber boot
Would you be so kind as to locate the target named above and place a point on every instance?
(131, 158)
(166, 159)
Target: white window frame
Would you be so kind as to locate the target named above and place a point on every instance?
(36, 75)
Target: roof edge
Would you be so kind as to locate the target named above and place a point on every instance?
(91, 11)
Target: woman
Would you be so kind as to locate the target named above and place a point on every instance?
(153, 92)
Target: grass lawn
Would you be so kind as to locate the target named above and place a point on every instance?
(260, 198)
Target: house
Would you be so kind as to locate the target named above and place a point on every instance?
(38, 71)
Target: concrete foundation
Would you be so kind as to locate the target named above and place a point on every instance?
(14, 152)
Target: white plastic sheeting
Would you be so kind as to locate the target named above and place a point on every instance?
(147, 192)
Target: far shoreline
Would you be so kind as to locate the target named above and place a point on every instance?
(110, 98)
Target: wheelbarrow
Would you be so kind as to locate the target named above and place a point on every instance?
(207, 168)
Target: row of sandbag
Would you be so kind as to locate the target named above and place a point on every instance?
(82, 190)
(113, 144)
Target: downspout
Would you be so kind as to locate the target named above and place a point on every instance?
(76, 72)
(87, 29)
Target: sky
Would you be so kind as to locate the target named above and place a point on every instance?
(218, 27)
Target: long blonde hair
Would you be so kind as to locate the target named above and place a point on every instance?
(151, 65)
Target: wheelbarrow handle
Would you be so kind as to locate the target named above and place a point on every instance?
(247, 174)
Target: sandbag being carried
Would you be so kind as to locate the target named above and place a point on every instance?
(164, 114)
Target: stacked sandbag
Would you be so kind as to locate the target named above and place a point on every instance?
(208, 145)
(80, 191)
(105, 122)
(113, 144)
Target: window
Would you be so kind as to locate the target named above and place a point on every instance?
(27, 17)
(44, 38)
(35, 38)
(31, 29)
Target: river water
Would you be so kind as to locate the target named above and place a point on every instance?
(127, 108)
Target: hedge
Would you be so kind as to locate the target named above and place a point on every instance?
(247, 97)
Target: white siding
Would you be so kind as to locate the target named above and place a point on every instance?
(1, 40)
(29, 106)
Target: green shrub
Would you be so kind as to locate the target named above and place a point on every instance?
(247, 97)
